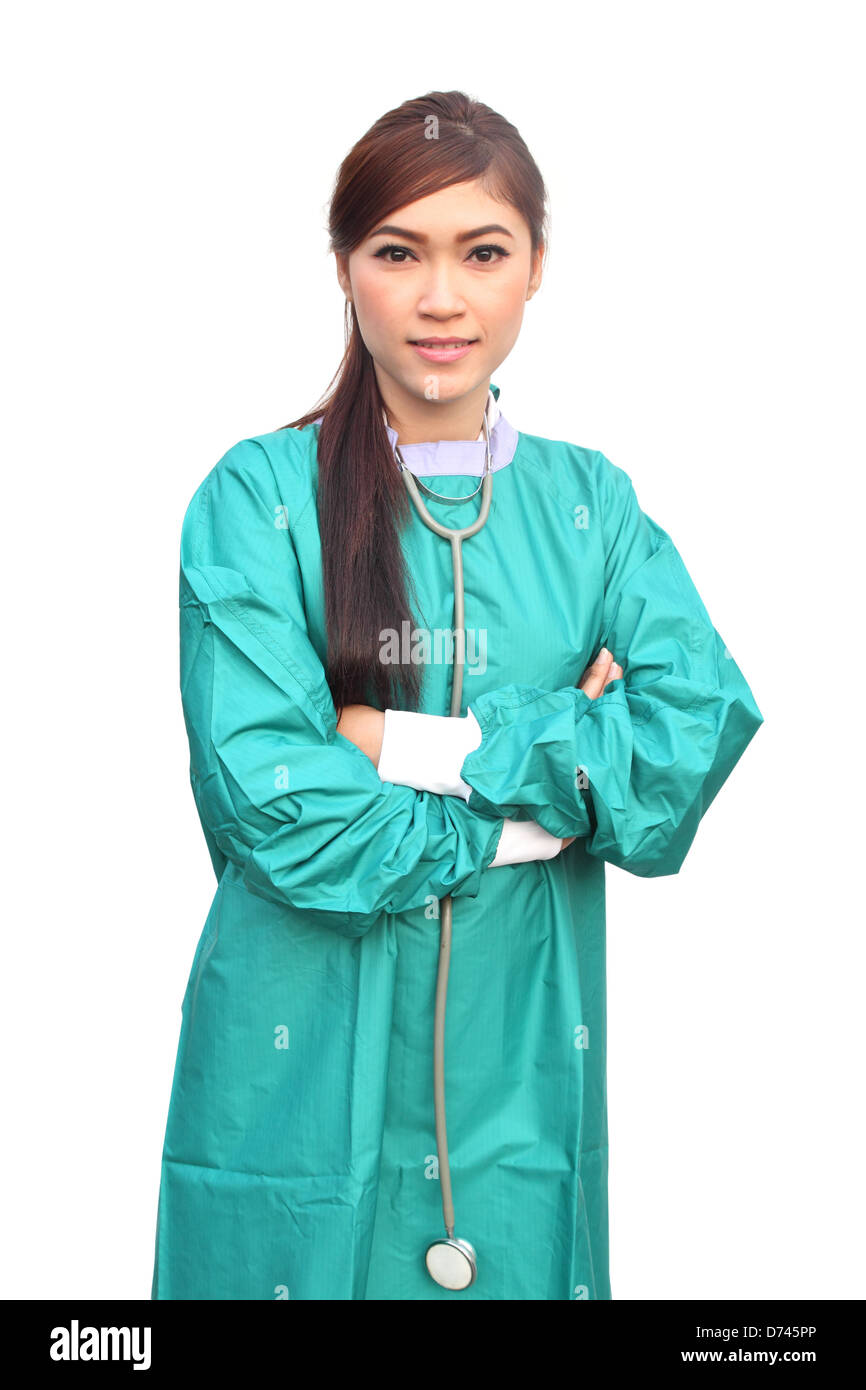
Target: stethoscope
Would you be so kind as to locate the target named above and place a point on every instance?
(452, 1262)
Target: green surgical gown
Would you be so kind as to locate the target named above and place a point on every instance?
(300, 1154)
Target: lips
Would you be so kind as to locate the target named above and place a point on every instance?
(443, 350)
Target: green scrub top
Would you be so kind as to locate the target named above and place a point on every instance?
(300, 1153)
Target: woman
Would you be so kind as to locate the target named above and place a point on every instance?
(601, 714)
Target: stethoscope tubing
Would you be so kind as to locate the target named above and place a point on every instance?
(456, 536)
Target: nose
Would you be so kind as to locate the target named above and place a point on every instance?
(440, 295)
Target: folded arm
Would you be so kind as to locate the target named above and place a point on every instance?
(279, 790)
(633, 771)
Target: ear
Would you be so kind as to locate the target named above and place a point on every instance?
(343, 273)
(536, 272)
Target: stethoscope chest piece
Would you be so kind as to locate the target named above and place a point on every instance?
(451, 1262)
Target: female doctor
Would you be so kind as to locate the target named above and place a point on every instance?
(351, 814)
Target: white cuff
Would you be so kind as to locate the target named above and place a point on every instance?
(427, 751)
(523, 840)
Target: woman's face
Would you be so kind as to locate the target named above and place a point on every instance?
(438, 281)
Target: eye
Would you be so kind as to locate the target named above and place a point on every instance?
(383, 251)
(500, 250)
(402, 251)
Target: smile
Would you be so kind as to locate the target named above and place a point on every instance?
(443, 349)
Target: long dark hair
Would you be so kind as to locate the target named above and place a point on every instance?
(362, 501)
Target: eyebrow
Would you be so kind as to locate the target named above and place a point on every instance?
(461, 236)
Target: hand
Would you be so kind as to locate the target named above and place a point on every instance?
(597, 676)
(593, 682)
(365, 727)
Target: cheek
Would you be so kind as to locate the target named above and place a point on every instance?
(507, 314)
(377, 303)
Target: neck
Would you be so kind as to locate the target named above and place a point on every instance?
(419, 421)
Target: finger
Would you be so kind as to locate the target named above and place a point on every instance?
(593, 679)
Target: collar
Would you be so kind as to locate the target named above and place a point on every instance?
(442, 457)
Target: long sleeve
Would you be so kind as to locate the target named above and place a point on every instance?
(632, 772)
(298, 808)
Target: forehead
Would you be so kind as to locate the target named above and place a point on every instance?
(451, 213)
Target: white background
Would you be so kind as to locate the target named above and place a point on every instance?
(168, 292)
